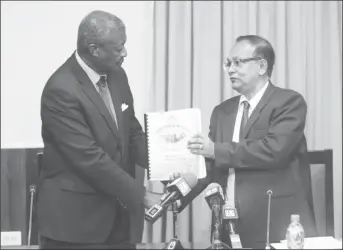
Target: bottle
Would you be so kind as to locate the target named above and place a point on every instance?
(295, 235)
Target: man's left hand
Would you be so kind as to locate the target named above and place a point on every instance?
(201, 145)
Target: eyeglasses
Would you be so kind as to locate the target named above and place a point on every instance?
(237, 62)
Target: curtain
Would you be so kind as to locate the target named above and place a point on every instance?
(189, 43)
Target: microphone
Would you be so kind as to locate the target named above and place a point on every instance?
(269, 193)
(230, 215)
(32, 189)
(214, 195)
(214, 198)
(179, 187)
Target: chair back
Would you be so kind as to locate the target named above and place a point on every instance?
(322, 190)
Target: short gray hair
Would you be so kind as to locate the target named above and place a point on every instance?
(263, 49)
(95, 27)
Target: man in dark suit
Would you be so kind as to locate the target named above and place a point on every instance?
(256, 143)
(92, 141)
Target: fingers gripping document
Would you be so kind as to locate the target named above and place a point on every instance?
(167, 136)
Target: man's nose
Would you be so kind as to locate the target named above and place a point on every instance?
(124, 52)
(231, 70)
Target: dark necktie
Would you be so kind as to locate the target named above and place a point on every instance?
(106, 97)
(245, 118)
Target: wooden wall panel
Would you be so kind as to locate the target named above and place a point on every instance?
(18, 172)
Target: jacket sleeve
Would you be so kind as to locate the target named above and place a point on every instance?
(137, 143)
(62, 117)
(285, 131)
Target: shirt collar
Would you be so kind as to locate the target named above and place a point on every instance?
(93, 76)
(257, 97)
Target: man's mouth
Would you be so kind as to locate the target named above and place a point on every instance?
(120, 62)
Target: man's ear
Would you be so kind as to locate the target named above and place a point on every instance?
(263, 67)
(93, 50)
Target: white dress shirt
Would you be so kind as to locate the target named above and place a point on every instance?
(230, 190)
(95, 77)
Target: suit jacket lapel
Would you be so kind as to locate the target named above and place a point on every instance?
(229, 125)
(89, 89)
(224, 132)
(256, 113)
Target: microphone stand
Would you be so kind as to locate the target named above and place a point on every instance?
(269, 193)
(217, 230)
(174, 243)
(32, 192)
(174, 209)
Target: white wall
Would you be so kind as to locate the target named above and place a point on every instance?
(37, 37)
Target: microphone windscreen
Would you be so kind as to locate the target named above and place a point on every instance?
(191, 179)
(32, 187)
(215, 185)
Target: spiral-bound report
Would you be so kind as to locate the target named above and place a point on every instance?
(167, 136)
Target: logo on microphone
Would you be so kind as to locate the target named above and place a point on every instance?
(229, 213)
(212, 191)
(153, 211)
(183, 187)
(172, 245)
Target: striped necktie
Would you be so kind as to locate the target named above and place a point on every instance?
(106, 97)
(245, 118)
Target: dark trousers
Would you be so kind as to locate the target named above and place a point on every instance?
(119, 235)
